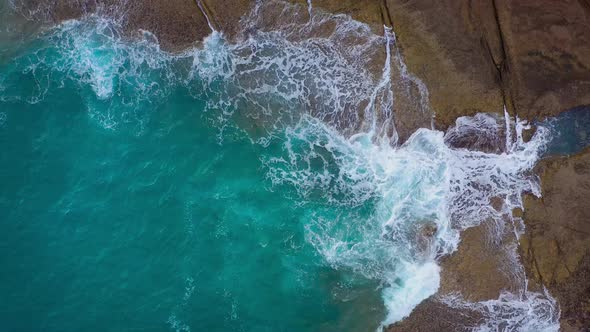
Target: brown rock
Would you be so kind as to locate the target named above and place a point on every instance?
(177, 23)
(474, 56)
(432, 315)
(449, 45)
(556, 245)
(468, 270)
(371, 12)
(477, 271)
(547, 44)
(226, 14)
(442, 46)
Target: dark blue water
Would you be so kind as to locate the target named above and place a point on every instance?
(569, 131)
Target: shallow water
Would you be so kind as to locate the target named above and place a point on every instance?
(235, 186)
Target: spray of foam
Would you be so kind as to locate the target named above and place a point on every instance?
(308, 80)
(383, 89)
(274, 74)
(277, 73)
(93, 52)
(118, 77)
(423, 194)
(526, 311)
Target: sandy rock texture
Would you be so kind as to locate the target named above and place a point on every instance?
(432, 315)
(556, 246)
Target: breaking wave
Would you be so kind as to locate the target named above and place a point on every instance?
(322, 88)
(422, 195)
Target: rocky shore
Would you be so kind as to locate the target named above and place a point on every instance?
(556, 246)
(474, 56)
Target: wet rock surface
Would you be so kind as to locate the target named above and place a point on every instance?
(477, 271)
(444, 43)
(556, 246)
(547, 46)
(433, 315)
(473, 56)
(476, 56)
(176, 23)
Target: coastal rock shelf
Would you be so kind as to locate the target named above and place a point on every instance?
(474, 56)
(556, 245)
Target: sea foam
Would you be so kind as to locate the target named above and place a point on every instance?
(423, 194)
(311, 85)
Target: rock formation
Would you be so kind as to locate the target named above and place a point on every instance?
(556, 245)
(474, 56)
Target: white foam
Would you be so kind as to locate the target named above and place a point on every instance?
(408, 80)
(527, 311)
(308, 79)
(383, 88)
(421, 184)
(508, 130)
(314, 65)
(422, 281)
(275, 71)
(122, 74)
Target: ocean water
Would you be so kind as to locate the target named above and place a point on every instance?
(255, 185)
(569, 131)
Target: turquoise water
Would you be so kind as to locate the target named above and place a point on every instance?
(109, 230)
(254, 185)
(127, 214)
